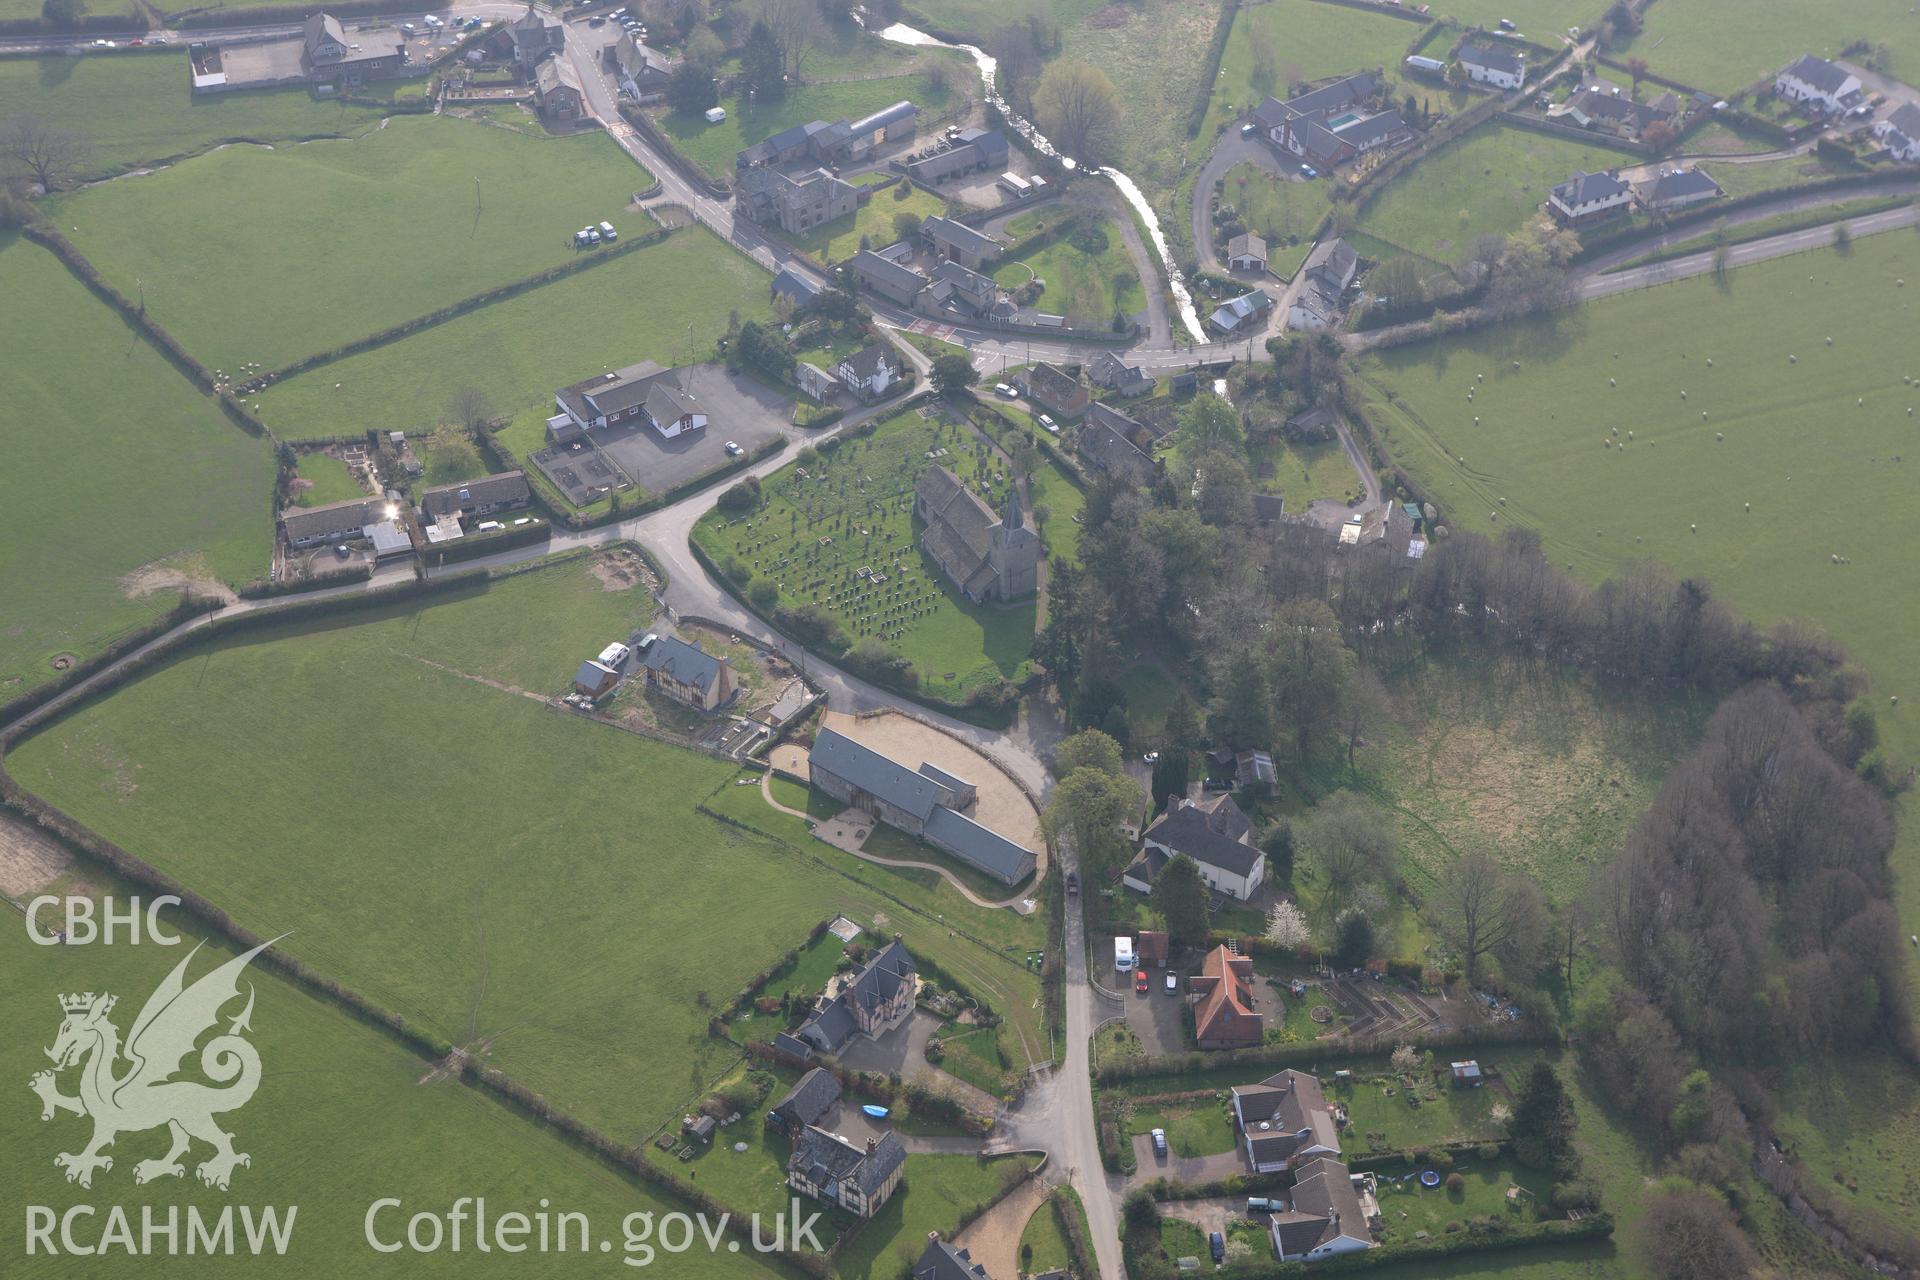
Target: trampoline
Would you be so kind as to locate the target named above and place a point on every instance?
(1429, 1178)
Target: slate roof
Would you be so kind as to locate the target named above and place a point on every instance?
(1818, 72)
(811, 1097)
(874, 774)
(1268, 507)
(610, 393)
(1325, 1208)
(792, 1045)
(1290, 1103)
(667, 402)
(942, 1261)
(880, 979)
(1247, 245)
(984, 848)
(1586, 188)
(594, 675)
(1203, 837)
(555, 73)
(1363, 133)
(959, 528)
(319, 29)
(827, 1158)
(876, 266)
(1334, 259)
(1341, 93)
(990, 143)
(1502, 60)
(304, 522)
(1678, 184)
(791, 284)
(958, 235)
(1906, 119)
(505, 486)
(1312, 418)
(867, 361)
(1106, 441)
(685, 663)
(1109, 370)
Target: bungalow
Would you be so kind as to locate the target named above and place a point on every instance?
(556, 89)
(1899, 133)
(1218, 837)
(688, 674)
(1603, 105)
(811, 1097)
(1239, 316)
(1247, 252)
(836, 1172)
(1110, 372)
(1677, 189)
(888, 277)
(644, 392)
(941, 1261)
(336, 522)
(1815, 82)
(870, 371)
(958, 242)
(471, 499)
(1225, 1017)
(1284, 1119)
(1586, 198)
(1331, 1212)
(1055, 390)
(1501, 68)
(595, 678)
(1108, 442)
(871, 1001)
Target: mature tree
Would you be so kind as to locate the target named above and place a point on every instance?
(1352, 939)
(1688, 1233)
(1225, 496)
(63, 15)
(1636, 67)
(1078, 107)
(1087, 808)
(1172, 775)
(1398, 286)
(1543, 1122)
(1088, 749)
(1287, 926)
(42, 153)
(1209, 424)
(762, 347)
(793, 24)
(1471, 906)
(762, 64)
(1351, 842)
(1368, 709)
(471, 408)
(1180, 896)
(1310, 671)
(1183, 733)
(906, 224)
(452, 450)
(690, 88)
(953, 374)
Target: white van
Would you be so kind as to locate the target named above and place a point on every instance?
(1123, 954)
(607, 232)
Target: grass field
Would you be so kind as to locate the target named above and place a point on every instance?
(1854, 1125)
(408, 218)
(126, 467)
(1691, 41)
(457, 932)
(713, 146)
(342, 1117)
(1771, 175)
(1491, 182)
(1155, 52)
(1285, 214)
(138, 109)
(1089, 274)
(839, 240)
(329, 481)
(519, 350)
(1804, 440)
(852, 510)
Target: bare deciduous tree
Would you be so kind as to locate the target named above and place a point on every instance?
(471, 408)
(41, 152)
(793, 23)
(1079, 108)
(1473, 904)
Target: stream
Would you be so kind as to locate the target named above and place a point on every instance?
(1129, 190)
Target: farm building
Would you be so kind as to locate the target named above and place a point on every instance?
(688, 674)
(887, 276)
(985, 558)
(972, 151)
(834, 1171)
(1225, 1017)
(1284, 1118)
(842, 142)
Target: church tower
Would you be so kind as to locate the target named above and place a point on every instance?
(1014, 551)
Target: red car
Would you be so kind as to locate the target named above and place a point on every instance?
(1140, 981)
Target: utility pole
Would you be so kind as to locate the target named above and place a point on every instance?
(476, 193)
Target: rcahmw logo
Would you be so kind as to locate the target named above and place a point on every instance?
(145, 1094)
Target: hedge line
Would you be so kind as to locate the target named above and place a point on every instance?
(1216, 50)
(261, 15)
(471, 548)
(1369, 6)
(1373, 182)
(1314, 1051)
(1502, 1237)
(40, 694)
(294, 586)
(692, 172)
(500, 293)
(133, 24)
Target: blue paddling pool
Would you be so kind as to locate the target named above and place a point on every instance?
(880, 1113)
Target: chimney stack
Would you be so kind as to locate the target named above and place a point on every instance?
(871, 1144)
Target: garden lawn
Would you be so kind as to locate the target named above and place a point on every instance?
(447, 463)
(329, 478)
(1150, 693)
(1193, 1129)
(839, 240)
(1804, 440)
(1302, 472)
(812, 534)
(803, 980)
(713, 146)
(1692, 41)
(1409, 1208)
(1772, 175)
(344, 1115)
(408, 218)
(519, 350)
(138, 109)
(1491, 182)
(1089, 274)
(1043, 1245)
(1282, 212)
(937, 1192)
(115, 462)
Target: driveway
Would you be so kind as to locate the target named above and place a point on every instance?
(1230, 150)
(1156, 1016)
(1192, 1170)
(904, 1050)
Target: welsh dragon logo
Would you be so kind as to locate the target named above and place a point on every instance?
(146, 1095)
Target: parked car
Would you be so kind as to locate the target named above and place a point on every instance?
(1248, 129)
(1073, 882)
(159, 40)
(340, 549)
(1047, 422)
(1217, 1246)
(1259, 1204)
(593, 235)
(407, 28)
(607, 232)
(649, 640)
(1001, 388)
(597, 21)
(1308, 171)
(474, 23)
(1159, 1142)
(1140, 981)
(1218, 784)
(1173, 984)
(733, 449)
(433, 23)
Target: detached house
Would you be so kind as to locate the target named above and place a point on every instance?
(1332, 1212)
(942, 1261)
(640, 393)
(556, 89)
(1587, 198)
(870, 372)
(796, 204)
(1899, 133)
(1815, 82)
(1055, 390)
(1678, 189)
(1107, 443)
(836, 1172)
(1225, 1017)
(641, 72)
(1331, 125)
(326, 53)
(1501, 68)
(870, 1002)
(336, 522)
(1217, 836)
(688, 674)
(1284, 1120)
(1110, 372)
(535, 35)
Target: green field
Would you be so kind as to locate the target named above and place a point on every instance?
(1692, 41)
(1806, 439)
(191, 767)
(327, 480)
(713, 146)
(839, 240)
(1771, 175)
(519, 350)
(406, 219)
(1491, 182)
(1193, 1129)
(343, 1116)
(978, 17)
(1284, 213)
(1090, 277)
(1854, 1124)
(115, 465)
(139, 109)
(810, 535)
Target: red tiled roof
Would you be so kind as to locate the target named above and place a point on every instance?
(1226, 1010)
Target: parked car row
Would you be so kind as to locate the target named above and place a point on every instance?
(591, 235)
